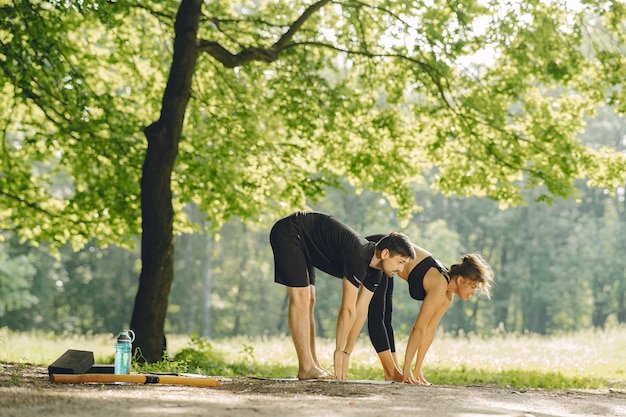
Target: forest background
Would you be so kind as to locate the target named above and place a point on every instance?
(558, 267)
(385, 115)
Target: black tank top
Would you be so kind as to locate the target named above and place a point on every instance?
(416, 277)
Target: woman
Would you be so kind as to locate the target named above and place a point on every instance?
(436, 286)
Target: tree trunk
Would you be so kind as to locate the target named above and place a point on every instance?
(537, 318)
(599, 314)
(208, 286)
(157, 241)
(621, 306)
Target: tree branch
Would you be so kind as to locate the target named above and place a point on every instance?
(25, 203)
(230, 60)
(435, 76)
(282, 42)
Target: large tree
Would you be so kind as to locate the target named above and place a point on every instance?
(266, 103)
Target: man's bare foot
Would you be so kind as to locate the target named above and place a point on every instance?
(315, 373)
(327, 375)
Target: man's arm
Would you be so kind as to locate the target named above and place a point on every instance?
(345, 321)
(362, 303)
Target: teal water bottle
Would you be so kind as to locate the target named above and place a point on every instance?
(123, 352)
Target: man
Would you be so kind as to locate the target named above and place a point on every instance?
(304, 241)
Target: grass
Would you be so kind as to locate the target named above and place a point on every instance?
(589, 359)
(586, 359)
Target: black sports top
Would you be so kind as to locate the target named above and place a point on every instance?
(336, 249)
(416, 277)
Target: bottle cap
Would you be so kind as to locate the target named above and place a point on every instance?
(126, 336)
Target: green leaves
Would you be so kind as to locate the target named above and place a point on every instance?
(381, 95)
(15, 281)
(71, 125)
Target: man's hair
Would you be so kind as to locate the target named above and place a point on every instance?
(397, 243)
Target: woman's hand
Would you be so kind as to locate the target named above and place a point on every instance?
(341, 360)
(408, 378)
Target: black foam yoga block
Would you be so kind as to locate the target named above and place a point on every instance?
(72, 362)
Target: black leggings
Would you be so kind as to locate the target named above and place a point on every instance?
(379, 317)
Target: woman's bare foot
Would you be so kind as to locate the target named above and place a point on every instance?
(397, 377)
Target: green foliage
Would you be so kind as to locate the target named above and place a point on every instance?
(202, 358)
(512, 378)
(562, 260)
(72, 123)
(376, 95)
(16, 276)
(87, 291)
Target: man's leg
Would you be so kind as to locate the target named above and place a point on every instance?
(302, 329)
(313, 335)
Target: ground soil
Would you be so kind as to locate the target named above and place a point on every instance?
(27, 391)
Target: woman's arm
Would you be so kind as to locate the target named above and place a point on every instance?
(429, 336)
(436, 288)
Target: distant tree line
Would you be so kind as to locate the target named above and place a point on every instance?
(559, 267)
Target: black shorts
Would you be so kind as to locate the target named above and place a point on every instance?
(291, 267)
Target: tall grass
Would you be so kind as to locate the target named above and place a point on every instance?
(586, 359)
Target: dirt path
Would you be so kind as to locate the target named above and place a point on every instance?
(26, 391)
